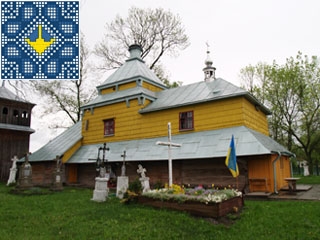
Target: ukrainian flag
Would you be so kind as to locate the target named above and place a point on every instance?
(231, 159)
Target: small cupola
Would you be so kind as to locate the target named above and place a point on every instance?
(135, 51)
(209, 70)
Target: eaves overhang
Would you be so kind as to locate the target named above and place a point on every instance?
(108, 99)
(196, 145)
(19, 128)
(136, 78)
(257, 104)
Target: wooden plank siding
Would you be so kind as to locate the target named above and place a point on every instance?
(11, 143)
(261, 167)
(108, 90)
(71, 151)
(130, 124)
(189, 173)
(151, 87)
(42, 173)
(255, 118)
(133, 84)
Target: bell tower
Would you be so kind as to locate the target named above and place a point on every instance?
(209, 70)
(15, 120)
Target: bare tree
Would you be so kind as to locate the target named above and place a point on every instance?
(67, 95)
(157, 31)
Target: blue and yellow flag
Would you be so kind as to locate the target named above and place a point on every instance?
(231, 159)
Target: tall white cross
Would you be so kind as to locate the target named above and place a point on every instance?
(169, 144)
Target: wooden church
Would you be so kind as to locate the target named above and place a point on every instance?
(15, 119)
(131, 113)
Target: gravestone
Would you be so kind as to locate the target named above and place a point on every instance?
(25, 174)
(123, 180)
(13, 171)
(143, 179)
(100, 192)
(57, 176)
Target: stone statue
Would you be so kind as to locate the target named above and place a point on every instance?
(144, 179)
(13, 171)
(141, 171)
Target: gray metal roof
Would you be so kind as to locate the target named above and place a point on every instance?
(133, 68)
(198, 93)
(118, 96)
(16, 127)
(206, 144)
(59, 145)
(7, 94)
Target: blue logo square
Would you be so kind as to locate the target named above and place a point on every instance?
(39, 40)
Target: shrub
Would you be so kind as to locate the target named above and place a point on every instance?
(135, 186)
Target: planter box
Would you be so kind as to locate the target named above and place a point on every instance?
(212, 210)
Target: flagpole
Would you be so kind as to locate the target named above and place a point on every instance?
(237, 182)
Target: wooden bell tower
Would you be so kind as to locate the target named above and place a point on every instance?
(15, 119)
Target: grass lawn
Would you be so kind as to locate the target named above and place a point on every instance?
(71, 214)
(308, 179)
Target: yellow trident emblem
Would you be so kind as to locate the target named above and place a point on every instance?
(40, 45)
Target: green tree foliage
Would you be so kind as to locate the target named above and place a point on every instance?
(292, 92)
(157, 31)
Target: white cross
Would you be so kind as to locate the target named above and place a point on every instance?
(169, 144)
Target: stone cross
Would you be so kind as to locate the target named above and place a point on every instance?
(169, 144)
(59, 163)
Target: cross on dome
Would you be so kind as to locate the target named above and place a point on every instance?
(209, 70)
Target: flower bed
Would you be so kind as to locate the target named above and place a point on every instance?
(199, 202)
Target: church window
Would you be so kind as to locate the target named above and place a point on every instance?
(109, 127)
(186, 120)
(15, 113)
(5, 111)
(25, 114)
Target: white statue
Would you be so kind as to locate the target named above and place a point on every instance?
(306, 170)
(144, 179)
(141, 171)
(13, 171)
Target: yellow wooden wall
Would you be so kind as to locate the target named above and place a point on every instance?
(260, 167)
(254, 118)
(108, 90)
(131, 85)
(71, 151)
(130, 124)
(151, 87)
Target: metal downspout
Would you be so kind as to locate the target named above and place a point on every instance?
(275, 171)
